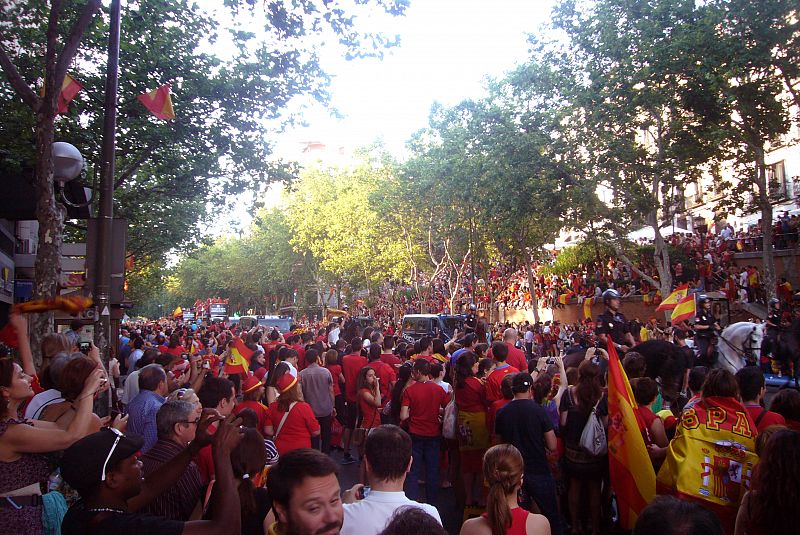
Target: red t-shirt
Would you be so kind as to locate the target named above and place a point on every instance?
(205, 459)
(429, 358)
(390, 359)
(370, 417)
(769, 418)
(424, 401)
(260, 410)
(493, 390)
(646, 420)
(516, 358)
(387, 376)
(336, 371)
(174, 351)
(471, 398)
(296, 430)
(351, 365)
(301, 354)
(491, 416)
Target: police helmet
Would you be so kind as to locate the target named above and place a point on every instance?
(703, 299)
(774, 303)
(609, 294)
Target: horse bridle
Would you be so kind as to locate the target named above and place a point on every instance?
(747, 351)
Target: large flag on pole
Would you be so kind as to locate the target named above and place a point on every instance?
(632, 476)
(672, 299)
(684, 310)
(158, 102)
(239, 359)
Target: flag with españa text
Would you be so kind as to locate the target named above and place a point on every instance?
(632, 476)
(712, 456)
(239, 359)
(672, 299)
(158, 102)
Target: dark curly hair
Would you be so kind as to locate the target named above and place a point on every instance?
(775, 493)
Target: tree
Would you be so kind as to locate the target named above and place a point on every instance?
(749, 74)
(222, 131)
(643, 140)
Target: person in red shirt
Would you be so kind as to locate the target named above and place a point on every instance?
(387, 356)
(499, 353)
(252, 393)
(351, 365)
(421, 406)
(384, 372)
(516, 357)
(425, 349)
(752, 389)
(470, 396)
(369, 402)
(645, 391)
(491, 415)
(291, 421)
(219, 394)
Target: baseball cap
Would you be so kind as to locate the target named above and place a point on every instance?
(85, 463)
(521, 382)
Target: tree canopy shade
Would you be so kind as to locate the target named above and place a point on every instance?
(228, 108)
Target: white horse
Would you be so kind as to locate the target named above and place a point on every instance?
(739, 343)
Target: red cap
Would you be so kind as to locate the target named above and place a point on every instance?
(286, 382)
(261, 373)
(250, 383)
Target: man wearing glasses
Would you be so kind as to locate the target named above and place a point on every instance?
(105, 469)
(176, 423)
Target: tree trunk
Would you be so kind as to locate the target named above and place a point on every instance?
(50, 215)
(768, 280)
(532, 289)
(661, 257)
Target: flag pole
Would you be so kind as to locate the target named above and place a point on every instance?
(105, 223)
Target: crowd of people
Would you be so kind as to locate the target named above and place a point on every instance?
(710, 266)
(206, 428)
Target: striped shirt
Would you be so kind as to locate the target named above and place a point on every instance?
(177, 502)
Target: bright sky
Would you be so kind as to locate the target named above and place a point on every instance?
(447, 50)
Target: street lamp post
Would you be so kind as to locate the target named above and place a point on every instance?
(702, 228)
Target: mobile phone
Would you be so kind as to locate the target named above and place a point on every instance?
(185, 356)
(206, 365)
(84, 347)
(113, 414)
(364, 492)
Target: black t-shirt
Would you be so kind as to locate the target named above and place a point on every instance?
(577, 418)
(688, 357)
(523, 423)
(77, 522)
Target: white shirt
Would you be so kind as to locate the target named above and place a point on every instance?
(370, 515)
(333, 336)
(131, 387)
(41, 400)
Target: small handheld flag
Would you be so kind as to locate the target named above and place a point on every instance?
(672, 299)
(158, 102)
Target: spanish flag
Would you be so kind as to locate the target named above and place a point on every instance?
(672, 299)
(587, 307)
(711, 458)
(158, 102)
(564, 298)
(239, 359)
(632, 476)
(684, 310)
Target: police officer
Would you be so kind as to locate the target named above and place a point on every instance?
(611, 324)
(471, 321)
(774, 324)
(705, 327)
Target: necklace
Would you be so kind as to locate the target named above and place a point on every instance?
(106, 510)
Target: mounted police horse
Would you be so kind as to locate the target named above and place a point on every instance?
(739, 344)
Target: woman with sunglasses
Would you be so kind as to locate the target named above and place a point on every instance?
(23, 467)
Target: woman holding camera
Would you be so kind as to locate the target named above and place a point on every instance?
(23, 467)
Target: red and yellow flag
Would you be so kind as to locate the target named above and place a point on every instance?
(69, 88)
(686, 309)
(564, 298)
(239, 359)
(587, 307)
(158, 102)
(632, 476)
(672, 299)
(712, 456)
